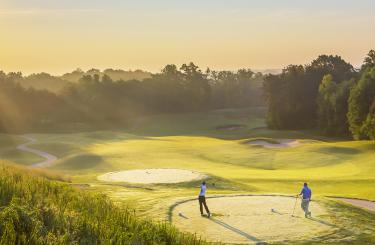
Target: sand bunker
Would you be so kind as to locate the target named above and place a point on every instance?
(152, 176)
(282, 143)
(251, 219)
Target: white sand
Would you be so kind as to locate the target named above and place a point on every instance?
(250, 219)
(152, 176)
(283, 143)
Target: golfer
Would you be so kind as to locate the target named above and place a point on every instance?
(202, 199)
(306, 198)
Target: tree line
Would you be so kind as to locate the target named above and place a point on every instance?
(97, 100)
(328, 94)
(45, 81)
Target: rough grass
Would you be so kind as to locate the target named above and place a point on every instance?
(34, 210)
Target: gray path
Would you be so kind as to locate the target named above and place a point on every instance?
(49, 158)
(369, 205)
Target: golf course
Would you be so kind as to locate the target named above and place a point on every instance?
(155, 167)
(187, 122)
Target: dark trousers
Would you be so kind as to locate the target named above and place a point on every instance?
(305, 205)
(202, 201)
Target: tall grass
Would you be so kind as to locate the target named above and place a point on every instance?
(36, 210)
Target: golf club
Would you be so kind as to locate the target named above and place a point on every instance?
(295, 203)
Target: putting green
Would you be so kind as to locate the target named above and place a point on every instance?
(152, 176)
(252, 219)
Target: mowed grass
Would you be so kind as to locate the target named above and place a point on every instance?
(198, 142)
(327, 166)
(8, 151)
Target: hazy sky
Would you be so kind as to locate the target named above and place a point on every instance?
(60, 35)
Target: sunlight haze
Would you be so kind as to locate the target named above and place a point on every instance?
(59, 36)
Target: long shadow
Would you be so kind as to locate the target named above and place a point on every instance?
(239, 232)
(323, 222)
(183, 216)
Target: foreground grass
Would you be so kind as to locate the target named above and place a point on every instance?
(36, 210)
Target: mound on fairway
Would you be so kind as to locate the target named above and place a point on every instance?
(251, 219)
(282, 143)
(152, 176)
(79, 161)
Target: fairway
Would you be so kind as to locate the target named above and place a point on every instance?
(140, 167)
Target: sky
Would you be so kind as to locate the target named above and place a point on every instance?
(58, 36)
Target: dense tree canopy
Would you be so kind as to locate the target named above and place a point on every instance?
(328, 94)
(23, 109)
(361, 113)
(369, 60)
(97, 100)
(292, 95)
(235, 89)
(333, 106)
(118, 74)
(286, 94)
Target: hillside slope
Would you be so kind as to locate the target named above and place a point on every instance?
(35, 209)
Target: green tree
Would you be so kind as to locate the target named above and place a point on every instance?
(369, 60)
(236, 89)
(292, 96)
(325, 101)
(285, 94)
(361, 106)
(333, 106)
(197, 86)
(369, 123)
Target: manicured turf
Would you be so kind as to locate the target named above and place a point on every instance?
(8, 151)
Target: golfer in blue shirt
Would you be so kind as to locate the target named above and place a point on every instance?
(306, 198)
